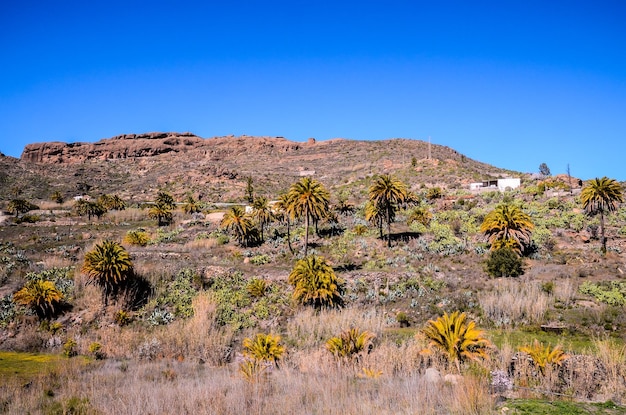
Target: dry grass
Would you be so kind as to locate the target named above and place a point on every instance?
(166, 387)
(513, 301)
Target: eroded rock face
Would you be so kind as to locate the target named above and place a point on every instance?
(118, 147)
(130, 146)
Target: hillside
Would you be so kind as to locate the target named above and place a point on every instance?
(216, 168)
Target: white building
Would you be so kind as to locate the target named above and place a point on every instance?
(499, 184)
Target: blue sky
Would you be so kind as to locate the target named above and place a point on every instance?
(513, 84)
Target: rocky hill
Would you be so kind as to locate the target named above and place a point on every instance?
(137, 165)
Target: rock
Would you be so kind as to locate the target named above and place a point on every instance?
(452, 379)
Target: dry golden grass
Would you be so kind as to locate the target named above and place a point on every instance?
(512, 301)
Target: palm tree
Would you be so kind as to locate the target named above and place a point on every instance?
(386, 193)
(112, 202)
(162, 214)
(351, 343)
(315, 283)
(457, 338)
(599, 196)
(262, 212)
(309, 199)
(39, 295)
(284, 207)
(109, 266)
(191, 205)
(376, 216)
(165, 199)
(507, 226)
(238, 222)
(18, 206)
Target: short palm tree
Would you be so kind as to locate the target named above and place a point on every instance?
(544, 355)
(18, 206)
(264, 347)
(39, 295)
(239, 223)
(457, 338)
(191, 205)
(109, 266)
(600, 196)
(507, 226)
(350, 344)
(57, 197)
(262, 212)
(165, 199)
(387, 193)
(162, 214)
(315, 283)
(309, 199)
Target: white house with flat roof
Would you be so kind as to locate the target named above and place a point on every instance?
(499, 184)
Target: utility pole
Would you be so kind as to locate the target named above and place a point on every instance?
(429, 152)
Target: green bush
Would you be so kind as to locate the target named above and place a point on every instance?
(612, 293)
(137, 237)
(504, 263)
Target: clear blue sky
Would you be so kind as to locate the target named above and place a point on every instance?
(513, 83)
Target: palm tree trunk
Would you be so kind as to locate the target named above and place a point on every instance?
(306, 231)
(289, 236)
(388, 229)
(603, 238)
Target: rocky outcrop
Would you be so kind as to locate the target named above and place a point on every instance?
(118, 147)
(131, 146)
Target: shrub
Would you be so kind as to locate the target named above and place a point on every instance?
(264, 347)
(612, 293)
(360, 229)
(256, 287)
(544, 355)
(122, 318)
(95, 349)
(403, 319)
(137, 237)
(260, 259)
(504, 262)
(350, 344)
(458, 339)
(69, 348)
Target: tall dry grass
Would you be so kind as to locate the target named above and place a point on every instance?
(169, 386)
(512, 301)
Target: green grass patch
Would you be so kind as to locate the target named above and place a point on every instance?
(27, 365)
(542, 407)
(575, 343)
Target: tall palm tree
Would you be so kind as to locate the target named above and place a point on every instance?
(262, 212)
(387, 193)
(284, 207)
(507, 226)
(309, 199)
(238, 222)
(315, 283)
(599, 196)
(109, 266)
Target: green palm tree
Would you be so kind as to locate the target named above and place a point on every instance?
(112, 202)
(109, 266)
(376, 216)
(507, 226)
(309, 199)
(600, 196)
(262, 212)
(457, 338)
(39, 295)
(387, 193)
(18, 206)
(350, 344)
(239, 223)
(191, 205)
(162, 214)
(165, 199)
(315, 283)
(285, 209)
